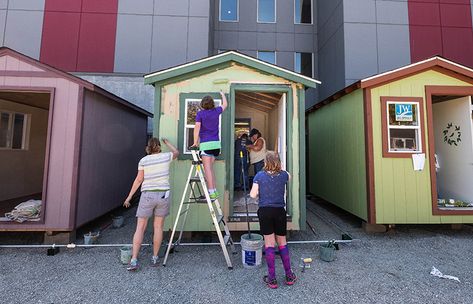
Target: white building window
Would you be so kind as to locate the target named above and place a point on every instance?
(403, 127)
(304, 64)
(303, 11)
(268, 56)
(266, 11)
(192, 106)
(229, 10)
(13, 130)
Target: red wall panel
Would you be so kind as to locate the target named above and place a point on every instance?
(441, 27)
(97, 43)
(63, 5)
(100, 6)
(60, 40)
(79, 35)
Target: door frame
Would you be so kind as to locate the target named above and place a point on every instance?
(430, 91)
(268, 88)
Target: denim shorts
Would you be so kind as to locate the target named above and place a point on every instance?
(210, 153)
(153, 203)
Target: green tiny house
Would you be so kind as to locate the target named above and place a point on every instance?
(365, 140)
(259, 95)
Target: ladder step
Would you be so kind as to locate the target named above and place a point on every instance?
(220, 219)
(194, 179)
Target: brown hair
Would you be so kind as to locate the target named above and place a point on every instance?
(207, 103)
(153, 146)
(272, 163)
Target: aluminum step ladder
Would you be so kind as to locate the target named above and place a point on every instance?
(199, 194)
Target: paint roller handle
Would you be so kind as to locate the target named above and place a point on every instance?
(241, 154)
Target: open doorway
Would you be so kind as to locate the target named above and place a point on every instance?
(265, 111)
(453, 129)
(24, 124)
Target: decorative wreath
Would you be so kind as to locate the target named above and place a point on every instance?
(452, 134)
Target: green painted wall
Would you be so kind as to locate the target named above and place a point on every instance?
(336, 154)
(166, 120)
(403, 196)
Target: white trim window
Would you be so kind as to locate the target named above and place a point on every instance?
(266, 11)
(303, 12)
(13, 130)
(192, 106)
(228, 11)
(304, 63)
(403, 125)
(267, 56)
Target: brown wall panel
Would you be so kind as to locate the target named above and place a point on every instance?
(113, 141)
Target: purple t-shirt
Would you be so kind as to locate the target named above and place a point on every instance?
(209, 123)
(272, 188)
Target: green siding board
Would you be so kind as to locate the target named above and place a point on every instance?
(337, 154)
(302, 159)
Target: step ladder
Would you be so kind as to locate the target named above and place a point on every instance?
(199, 194)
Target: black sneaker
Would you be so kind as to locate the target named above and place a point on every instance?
(291, 279)
(271, 283)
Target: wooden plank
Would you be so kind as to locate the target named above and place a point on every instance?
(255, 99)
(253, 105)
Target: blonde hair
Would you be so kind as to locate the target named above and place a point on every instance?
(154, 146)
(272, 163)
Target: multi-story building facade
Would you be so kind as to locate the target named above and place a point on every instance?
(114, 42)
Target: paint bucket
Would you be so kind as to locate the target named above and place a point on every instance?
(91, 238)
(125, 255)
(118, 221)
(251, 250)
(327, 252)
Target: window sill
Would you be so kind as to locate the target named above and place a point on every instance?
(399, 155)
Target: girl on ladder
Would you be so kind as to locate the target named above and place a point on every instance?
(207, 137)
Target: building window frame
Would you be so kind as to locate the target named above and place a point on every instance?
(237, 12)
(388, 152)
(10, 131)
(311, 14)
(313, 63)
(184, 127)
(275, 13)
(275, 56)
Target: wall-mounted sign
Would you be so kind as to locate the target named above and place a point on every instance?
(404, 112)
(452, 134)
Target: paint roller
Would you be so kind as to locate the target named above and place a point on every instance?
(221, 83)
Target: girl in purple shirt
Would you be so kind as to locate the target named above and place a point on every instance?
(270, 185)
(207, 137)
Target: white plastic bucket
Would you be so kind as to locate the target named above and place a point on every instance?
(125, 255)
(251, 250)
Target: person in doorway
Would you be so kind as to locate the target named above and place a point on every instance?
(240, 147)
(270, 185)
(257, 150)
(207, 137)
(153, 176)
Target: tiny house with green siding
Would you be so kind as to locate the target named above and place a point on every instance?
(396, 148)
(260, 95)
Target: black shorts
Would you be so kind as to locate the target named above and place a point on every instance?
(213, 152)
(272, 220)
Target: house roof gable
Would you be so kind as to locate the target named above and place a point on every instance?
(224, 58)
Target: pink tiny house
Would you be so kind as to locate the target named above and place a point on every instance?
(64, 141)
